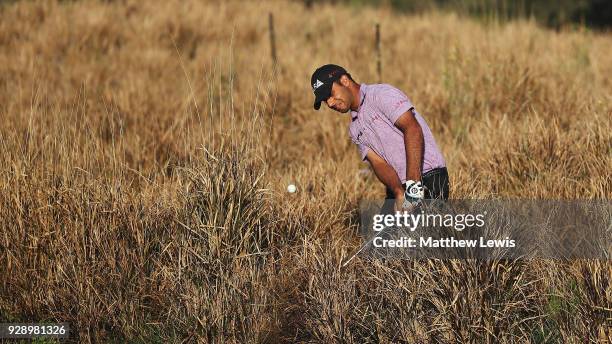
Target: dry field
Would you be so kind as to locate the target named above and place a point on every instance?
(146, 149)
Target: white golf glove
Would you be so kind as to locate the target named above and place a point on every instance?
(413, 195)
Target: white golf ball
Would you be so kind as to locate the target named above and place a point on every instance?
(291, 188)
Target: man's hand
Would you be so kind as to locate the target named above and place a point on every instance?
(398, 205)
(414, 194)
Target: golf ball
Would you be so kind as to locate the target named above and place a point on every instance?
(291, 188)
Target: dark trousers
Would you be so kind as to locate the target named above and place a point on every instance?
(436, 187)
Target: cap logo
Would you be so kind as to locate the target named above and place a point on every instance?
(316, 85)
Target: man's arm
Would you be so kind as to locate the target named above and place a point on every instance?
(385, 173)
(414, 143)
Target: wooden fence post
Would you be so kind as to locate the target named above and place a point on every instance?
(272, 38)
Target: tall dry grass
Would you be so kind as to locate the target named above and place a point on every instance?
(146, 148)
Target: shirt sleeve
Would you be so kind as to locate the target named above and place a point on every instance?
(363, 151)
(393, 103)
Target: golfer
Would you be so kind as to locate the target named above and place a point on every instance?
(389, 133)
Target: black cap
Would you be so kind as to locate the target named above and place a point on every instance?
(322, 80)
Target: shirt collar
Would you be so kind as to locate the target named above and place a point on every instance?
(362, 94)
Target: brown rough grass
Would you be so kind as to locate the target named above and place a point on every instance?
(146, 147)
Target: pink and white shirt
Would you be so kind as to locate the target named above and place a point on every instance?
(372, 127)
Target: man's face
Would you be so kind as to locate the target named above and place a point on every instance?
(340, 99)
